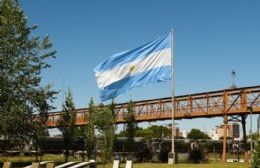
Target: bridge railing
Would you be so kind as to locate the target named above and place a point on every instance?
(209, 104)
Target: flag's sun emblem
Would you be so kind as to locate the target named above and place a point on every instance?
(132, 69)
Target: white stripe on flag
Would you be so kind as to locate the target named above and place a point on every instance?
(153, 60)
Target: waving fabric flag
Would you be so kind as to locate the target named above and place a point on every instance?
(145, 65)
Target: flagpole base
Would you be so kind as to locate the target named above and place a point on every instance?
(171, 158)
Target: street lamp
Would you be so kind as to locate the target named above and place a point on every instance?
(249, 108)
(233, 74)
(258, 126)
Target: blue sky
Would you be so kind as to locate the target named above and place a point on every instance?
(212, 38)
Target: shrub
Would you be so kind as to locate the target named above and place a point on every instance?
(196, 153)
(144, 155)
(165, 148)
(256, 159)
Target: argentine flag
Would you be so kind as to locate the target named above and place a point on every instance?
(142, 66)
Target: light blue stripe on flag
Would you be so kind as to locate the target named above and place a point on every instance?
(145, 65)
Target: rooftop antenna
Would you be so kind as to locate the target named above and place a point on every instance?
(233, 74)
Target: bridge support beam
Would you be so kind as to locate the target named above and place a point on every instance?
(225, 103)
(224, 156)
(243, 121)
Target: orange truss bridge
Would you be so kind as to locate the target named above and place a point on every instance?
(228, 102)
(231, 104)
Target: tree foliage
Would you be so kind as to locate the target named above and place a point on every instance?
(131, 124)
(196, 153)
(89, 133)
(256, 159)
(112, 108)
(105, 125)
(23, 56)
(40, 130)
(255, 136)
(153, 131)
(66, 124)
(197, 134)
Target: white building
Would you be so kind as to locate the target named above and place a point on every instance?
(213, 134)
(184, 134)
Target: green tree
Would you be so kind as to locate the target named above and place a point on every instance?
(89, 133)
(131, 124)
(79, 135)
(153, 131)
(105, 126)
(255, 136)
(112, 108)
(159, 131)
(146, 133)
(40, 129)
(23, 56)
(197, 134)
(256, 159)
(66, 124)
(197, 153)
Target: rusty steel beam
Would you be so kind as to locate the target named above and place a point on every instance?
(226, 109)
(224, 156)
(199, 105)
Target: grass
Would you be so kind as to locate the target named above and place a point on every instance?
(183, 165)
(26, 160)
(56, 158)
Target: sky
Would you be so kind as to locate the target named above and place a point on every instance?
(212, 37)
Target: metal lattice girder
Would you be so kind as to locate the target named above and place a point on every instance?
(200, 105)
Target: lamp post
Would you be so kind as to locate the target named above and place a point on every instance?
(233, 74)
(258, 126)
(251, 136)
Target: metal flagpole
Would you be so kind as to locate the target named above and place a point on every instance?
(172, 158)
